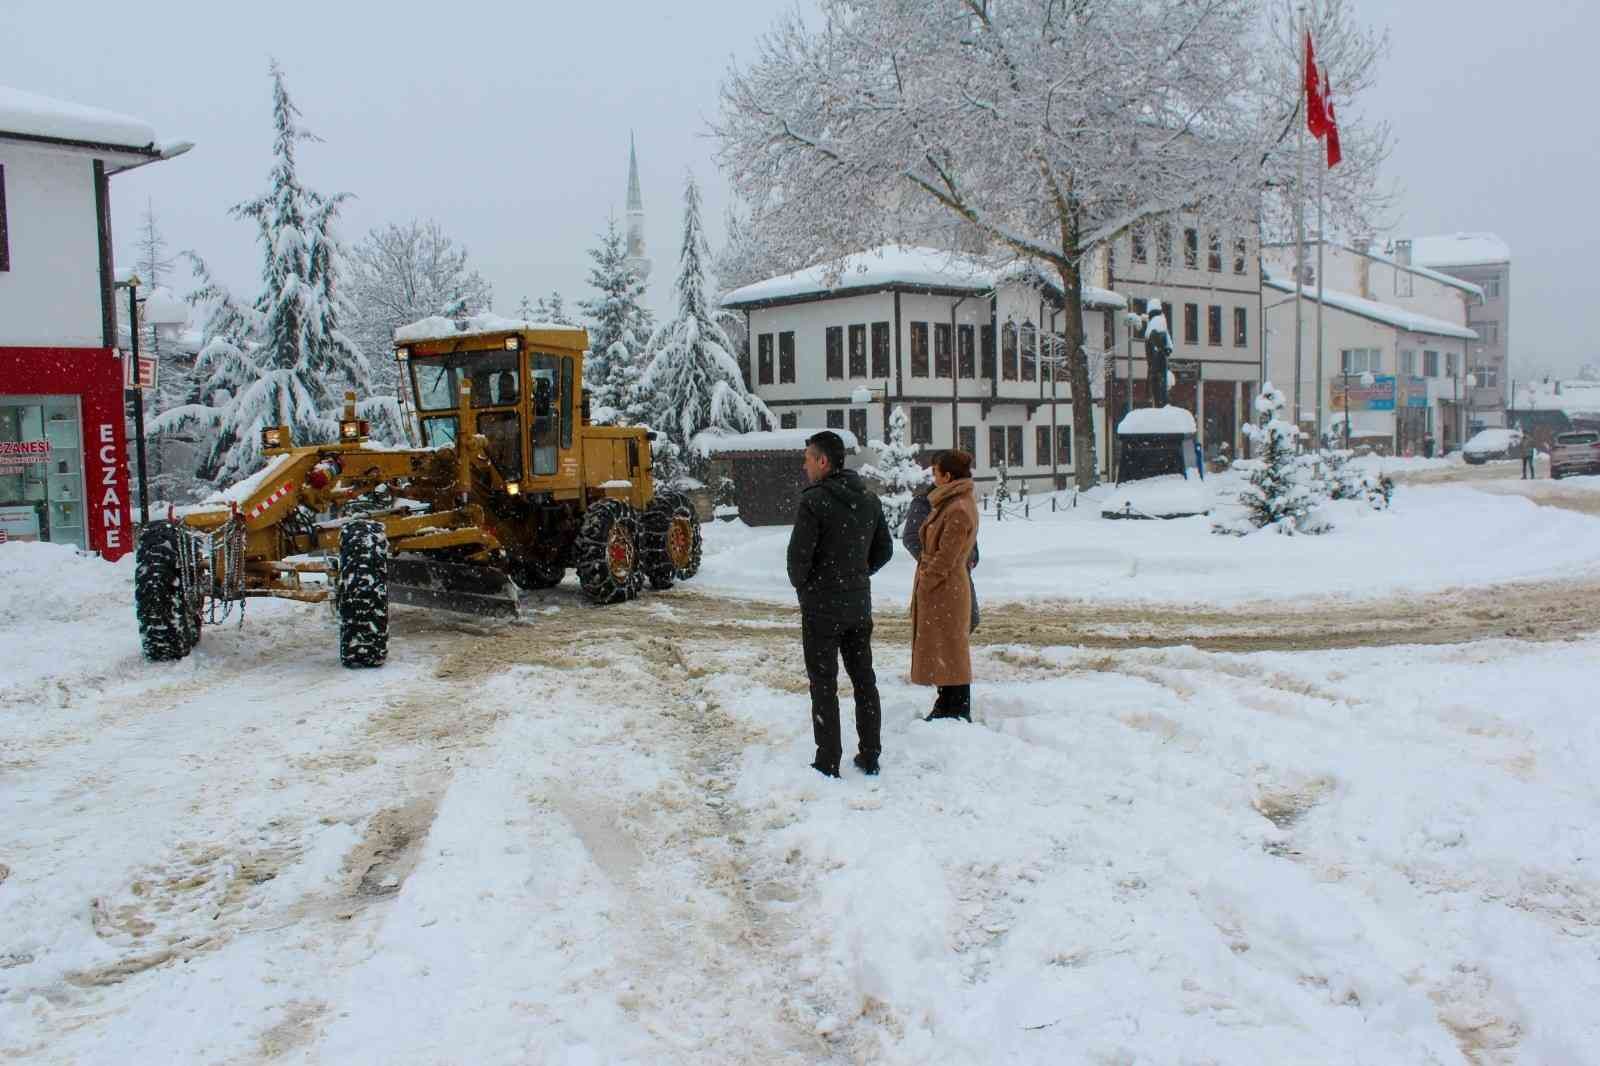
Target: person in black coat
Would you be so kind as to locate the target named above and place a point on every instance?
(840, 540)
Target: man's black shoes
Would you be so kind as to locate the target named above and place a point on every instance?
(867, 764)
(825, 769)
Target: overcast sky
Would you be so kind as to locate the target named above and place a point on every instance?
(509, 125)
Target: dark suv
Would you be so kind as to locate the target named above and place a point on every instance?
(1577, 452)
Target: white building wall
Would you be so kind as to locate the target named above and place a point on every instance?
(51, 295)
(1373, 279)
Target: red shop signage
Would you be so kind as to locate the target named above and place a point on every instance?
(94, 375)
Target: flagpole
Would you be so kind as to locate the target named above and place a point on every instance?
(1299, 218)
(1322, 240)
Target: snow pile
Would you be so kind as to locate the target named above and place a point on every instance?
(1157, 497)
(41, 116)
(438, 328)
(1147, 420)
(1493, 441)
(711, 443)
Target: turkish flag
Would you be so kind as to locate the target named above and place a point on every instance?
(1316, 111)
(1334, 154)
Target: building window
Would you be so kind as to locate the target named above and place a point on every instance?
(997, 446)
(834, 417)
(1191, 248)
(1430, 364)
(1360, 360)
(1008, 352)
(858, 351)
(1108, 330)
(1164, 244)
(941, 350)
(1214, 253)
(986, 338)
(1449, 364)
(764, 359)
(1030, 352)
(1488, 332)
(967, 440)
(786, 358)
(922, 425)
(1408, 362)
(1488, 375)
(1491, 288)
(1191, 323)
(880, 349)
(1041, 437)
(966, 361)
(919, 349)
(1214, 325)
(42, 491)
(1239, 250)
(858, 424)
(834, 342)
(1141, 249)
(5, 242)
(1241, 328)
(1014, 446)
(789, 421)
(1063, 456)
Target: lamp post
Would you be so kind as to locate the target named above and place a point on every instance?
(165, 317)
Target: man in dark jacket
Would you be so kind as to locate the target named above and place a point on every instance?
(840, 540)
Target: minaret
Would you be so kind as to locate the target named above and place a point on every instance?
(638, 262)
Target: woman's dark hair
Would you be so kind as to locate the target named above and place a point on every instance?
(954, 462)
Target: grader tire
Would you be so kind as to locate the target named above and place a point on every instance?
(537, 574)
(363, 594)
(608, 553)
(167, 632)
(670, 543)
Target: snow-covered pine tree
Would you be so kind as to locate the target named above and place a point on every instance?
(552, 309)
(692, 384)
(525, 311)
(1277, 495)
(619, 327)
(897, 470)
(286, 362)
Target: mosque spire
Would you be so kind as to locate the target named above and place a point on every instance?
(637, 260)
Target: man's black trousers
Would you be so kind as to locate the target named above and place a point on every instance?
(826, 639)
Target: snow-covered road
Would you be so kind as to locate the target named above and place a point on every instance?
(591, 837)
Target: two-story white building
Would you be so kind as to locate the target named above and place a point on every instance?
(63, 455)
(965, 350)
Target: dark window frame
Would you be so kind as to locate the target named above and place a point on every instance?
(789, 420)
(858, 424)
(986, 368)
(1139, 244)
(858, 351)
(1009, 342)
(1164, 244)
(1214, 325)
(943, 356)
(919, 350)
(967, 440)
(1214, 252)
(921, 425)
(5, 236)
(997, 446)
(966, 352)
(764, 362)
(1191, 323)
(1030, 351)
(1191, 248)
(1014, 454)
(1241, 328)
(833, 418)
(880, 349)
(786, 357)
(833, 345)
(1241, 248)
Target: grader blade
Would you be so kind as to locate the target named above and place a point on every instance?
(481, 591)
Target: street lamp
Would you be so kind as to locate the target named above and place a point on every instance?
(1367, 381)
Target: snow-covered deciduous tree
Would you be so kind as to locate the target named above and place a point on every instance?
(1048, 129)
(897, 470)
(402, 273)
(284, 360)
(619, 328)
(692, 384)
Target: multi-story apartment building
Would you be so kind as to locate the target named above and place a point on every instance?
(1208, 282)
(967, 352)
(1484, 260)
(63, 463)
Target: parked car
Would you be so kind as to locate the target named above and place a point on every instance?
(1489, 444)
(1577, 452)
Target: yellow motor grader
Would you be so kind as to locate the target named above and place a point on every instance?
(510, 486)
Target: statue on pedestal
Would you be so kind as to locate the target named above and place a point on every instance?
(1157, 347)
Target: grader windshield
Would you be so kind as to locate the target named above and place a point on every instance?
(505, 393)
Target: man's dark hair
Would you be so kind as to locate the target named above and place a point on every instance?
(830, 446)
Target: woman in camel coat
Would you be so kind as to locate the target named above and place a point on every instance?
(941, 596)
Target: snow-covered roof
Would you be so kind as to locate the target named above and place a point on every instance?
(33, 115)
(1459, 249)
(1388, 314)
(1142, 420)
(1414, 268)
(889, 265)
(772, 440)
(438, 328)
